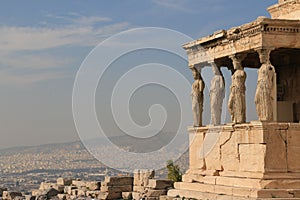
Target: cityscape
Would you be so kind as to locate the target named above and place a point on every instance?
(25, 168)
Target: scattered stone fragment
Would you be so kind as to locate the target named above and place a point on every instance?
(79, 183)
(127, 195)
(116, 180)
(74, 192)
(81, 192)
(62, 196)
(165, 197)
(41, 197)
(10, 195)
(2, 190)
(140, 189)
(141, 177)
(64, 181)
(155, 193)
(29, 197)
(111, 195)
(59, 188)
(124, 188)
(50, 192)
(117, 187)
(36, 192)
(93, 185)
(136, 195)
(19, 198)
(160, 184)
(45, 185)
(93, 194)
(68, 189)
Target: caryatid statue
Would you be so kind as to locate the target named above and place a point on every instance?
(237, 97)
(217, 94)
(197, 97)
(264, 96)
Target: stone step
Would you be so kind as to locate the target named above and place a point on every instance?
(237, 191)
(187, 194)
(251, 182)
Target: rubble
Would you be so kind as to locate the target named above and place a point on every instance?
(2, 190)
(142, 185)
(10, 195)
(146, 187)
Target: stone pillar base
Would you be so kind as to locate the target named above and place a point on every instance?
(258, 160)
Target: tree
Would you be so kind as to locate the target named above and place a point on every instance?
(174, 173)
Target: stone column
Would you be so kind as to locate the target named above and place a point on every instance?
(217, 94)
(265, 96)
(237, 97)
(197, 96)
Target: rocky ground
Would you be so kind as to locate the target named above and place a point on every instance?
(140, 186)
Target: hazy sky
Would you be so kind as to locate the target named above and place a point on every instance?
(42, 44)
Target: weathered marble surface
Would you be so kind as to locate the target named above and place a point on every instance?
(264, 96)
(197, 97)
(260, 159)
(237, 98)
(256, 160)
(217, 95)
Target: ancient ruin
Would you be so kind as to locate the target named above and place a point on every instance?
(266, 85)
(217, 95)
(142, 185)
(257, 159)
(237, 98)
(197, 97)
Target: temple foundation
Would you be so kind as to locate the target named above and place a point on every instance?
(257, 160)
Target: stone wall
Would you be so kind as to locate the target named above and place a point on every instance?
(255, 160)
(248, 149)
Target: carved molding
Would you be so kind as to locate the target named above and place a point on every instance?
(248, 37)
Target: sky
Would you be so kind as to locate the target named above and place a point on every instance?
(43, 43)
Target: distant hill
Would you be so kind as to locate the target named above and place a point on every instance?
(76, 149)
(46, 148)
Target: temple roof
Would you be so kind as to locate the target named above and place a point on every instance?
(281, 31)
(260, 25)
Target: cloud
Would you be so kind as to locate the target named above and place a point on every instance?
(91, 20)
(33, 62)
(33, 47)
(14, 38)
(198, 6)
(13, 78)
(179, 5)
(75, 18)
